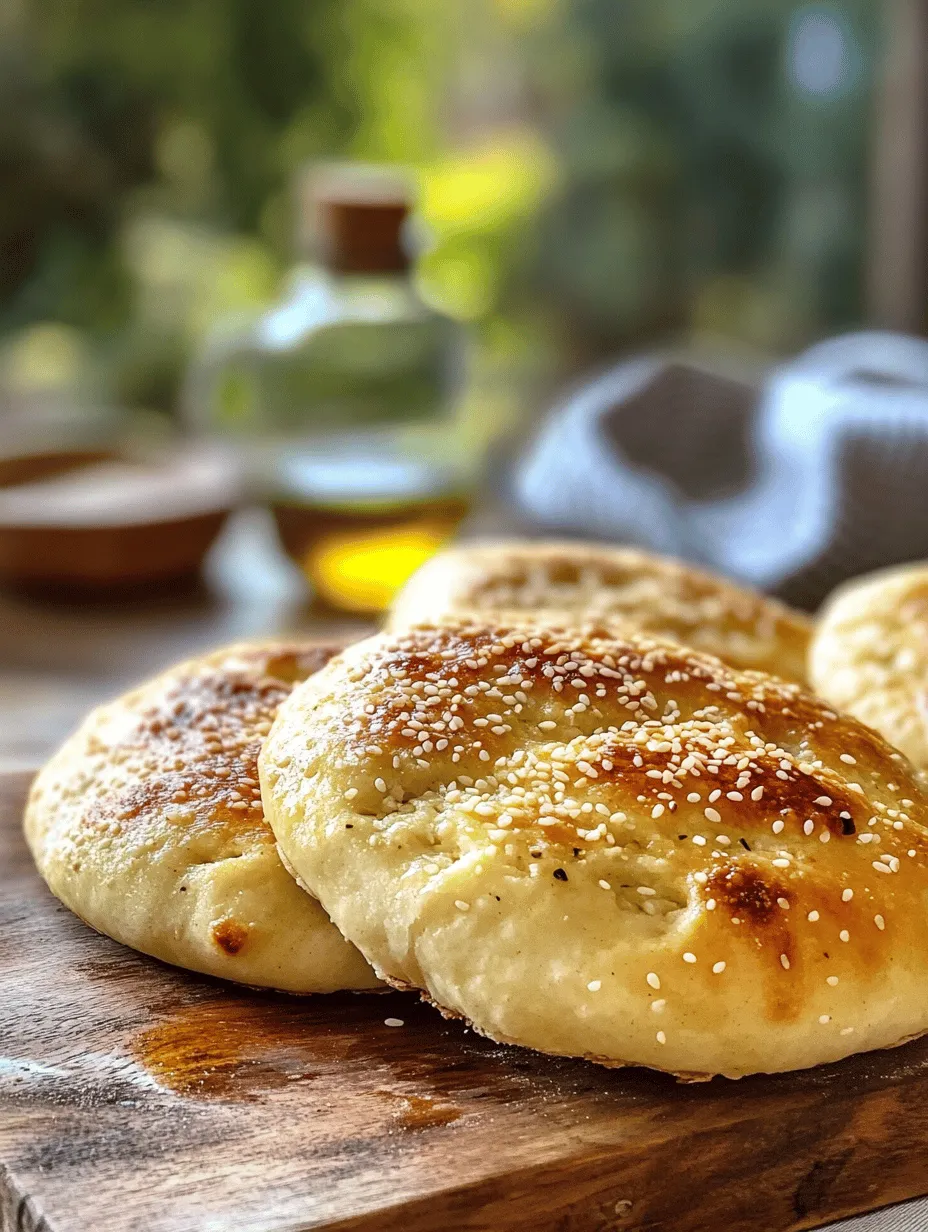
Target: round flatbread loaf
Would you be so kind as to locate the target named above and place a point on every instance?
(148, 824)
(609, 847)
(870, 655)
(551, 583)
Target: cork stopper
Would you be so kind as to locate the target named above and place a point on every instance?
(352, 218)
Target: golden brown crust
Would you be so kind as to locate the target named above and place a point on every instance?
(196, 741)
(530, 823)
(553, 582)
(869, 655)
(148, 823)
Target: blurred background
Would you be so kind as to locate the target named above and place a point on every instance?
(593, 174)
(581, 181)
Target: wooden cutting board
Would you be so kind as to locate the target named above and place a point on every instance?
(135, 1096)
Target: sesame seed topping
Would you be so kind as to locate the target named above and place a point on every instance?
(394, 1022)
(848, 759)
(658, 1005)
(661, 1037)
(844, 935)
(847, 895)
(879, 922)
(813, 916)
(784, 962)
(718, 968)
(689, 957)
(712, 815)
(461, 905)
(604, 885)
(778, 826)
(832, 980)
(653, 979)
(824, 1018)
(595, 985)
(847, 1030)
(780, 862)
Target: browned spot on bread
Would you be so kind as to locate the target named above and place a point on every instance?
(229, 935)
(747, 893)
(193, 752)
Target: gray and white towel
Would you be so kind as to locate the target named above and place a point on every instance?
(816, 476)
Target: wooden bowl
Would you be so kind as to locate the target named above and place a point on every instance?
(94, 521)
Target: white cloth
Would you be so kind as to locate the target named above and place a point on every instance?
(906, 1217)
(820, 475)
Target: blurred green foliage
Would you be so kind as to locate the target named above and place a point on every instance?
(594, 172)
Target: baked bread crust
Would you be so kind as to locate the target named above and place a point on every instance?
(608, 846)
(148, 824)
(869, 655)
(554, 582)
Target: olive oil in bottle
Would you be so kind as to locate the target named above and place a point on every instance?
(341, 397)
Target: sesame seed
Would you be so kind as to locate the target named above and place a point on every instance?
(710, 904)
(461, 905)
(847, 895)
(832, 980)
(698, 838)
(879, 922)
(844, 935)
(777, 826)
(847, 1030)
(351, 793)
(605, 885)
(712, 815)
(784, 903)
(657, 811)
(595, 985)
(718, 968)
(688, 957)
(380, 785)
(658, 1005)
(848, 759)
(808, 826)
(653, 979)
(661, 1037)
(780, 863)
(784, 962)
(694, 797)
(393, 1022)
(824, 1018)
(757, 793)
(813, 916)
(881, 868)
(824, 801)
(646, 891)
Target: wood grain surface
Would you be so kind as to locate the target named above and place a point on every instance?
(136, 1096)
